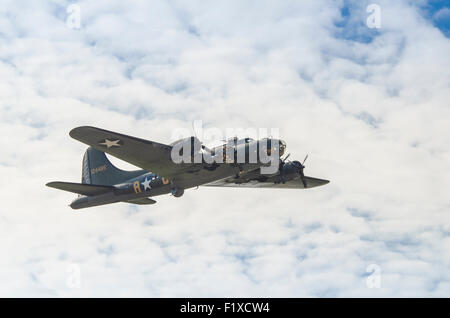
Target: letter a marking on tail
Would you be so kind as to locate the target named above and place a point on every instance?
(137, 187)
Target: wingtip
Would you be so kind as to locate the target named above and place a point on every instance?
(79, 132)
(74, 131)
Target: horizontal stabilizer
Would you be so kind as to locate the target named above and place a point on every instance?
(80, 188)
(142, 201)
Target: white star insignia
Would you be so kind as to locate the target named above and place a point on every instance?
(146, 184)
(110, 143)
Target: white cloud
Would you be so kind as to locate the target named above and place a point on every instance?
(373, 115)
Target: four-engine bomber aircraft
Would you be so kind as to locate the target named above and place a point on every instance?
(102, 183)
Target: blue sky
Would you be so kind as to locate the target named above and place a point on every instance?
(369, 106)
(438, 12)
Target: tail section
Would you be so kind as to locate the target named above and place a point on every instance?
(98, 170)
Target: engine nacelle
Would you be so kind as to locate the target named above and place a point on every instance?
(177, 192)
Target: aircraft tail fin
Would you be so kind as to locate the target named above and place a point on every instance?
(80, 188)
(98, 170)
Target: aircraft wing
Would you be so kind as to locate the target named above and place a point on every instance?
(291, 184)
(146, 154)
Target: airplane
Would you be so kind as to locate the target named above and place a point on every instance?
(103, 183)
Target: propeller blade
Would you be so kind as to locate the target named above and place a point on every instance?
(300, 168)
(282, 171)
(283, 177)
(302, 177)
(304, 160)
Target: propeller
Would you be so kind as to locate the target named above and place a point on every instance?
(304, 160)
(300, 167)
(281, 168)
